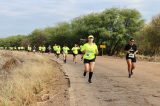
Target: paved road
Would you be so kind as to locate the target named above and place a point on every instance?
(111, 86)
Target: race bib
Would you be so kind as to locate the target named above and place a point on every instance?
(88, 54)
(131, 55)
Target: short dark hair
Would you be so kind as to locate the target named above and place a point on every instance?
(131, 39)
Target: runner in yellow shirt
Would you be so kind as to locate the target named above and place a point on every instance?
(58, 51)
(81, 48)
(22, 48)
(65, 53)
(43, 49)
(40, 49)
(75, 53)
(29, 48)
(90, 51)
(15, 48)
(19, 48)
(54, 49)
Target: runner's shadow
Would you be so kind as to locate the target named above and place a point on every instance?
(116, 76)
(80, 82)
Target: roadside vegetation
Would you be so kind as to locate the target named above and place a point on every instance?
(26, 79)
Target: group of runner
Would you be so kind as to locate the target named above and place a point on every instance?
(89, 51)
(88, 54)
(65, 51)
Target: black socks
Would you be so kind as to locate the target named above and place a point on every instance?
(65, 60)
(90, 77)
(84, 74)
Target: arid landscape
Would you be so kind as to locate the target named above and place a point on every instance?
(31, 80)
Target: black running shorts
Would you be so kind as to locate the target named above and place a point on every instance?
(132, 59)
(74, 54)
(88, 61)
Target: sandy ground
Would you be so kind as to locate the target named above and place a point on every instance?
(58, 89)
(111, 85)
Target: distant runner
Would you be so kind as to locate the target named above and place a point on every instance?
(43, 49)
(58, 51)
(54, 49)
(40, 49)
(65, 53)
(49, 49)
(34, 49)
(75, 53)
(29, 48)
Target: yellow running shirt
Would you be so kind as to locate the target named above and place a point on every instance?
(75, 50)
(58, 50)
(65, 50)
(90, 51)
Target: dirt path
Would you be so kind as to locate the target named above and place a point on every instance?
(111, 86)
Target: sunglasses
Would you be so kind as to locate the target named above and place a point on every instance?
(90, 38)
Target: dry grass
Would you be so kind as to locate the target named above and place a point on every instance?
(143, 58)
(23, 78)
(148, 58)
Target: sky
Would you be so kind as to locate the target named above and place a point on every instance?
(23, 16)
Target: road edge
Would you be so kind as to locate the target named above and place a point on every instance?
(71, 94)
